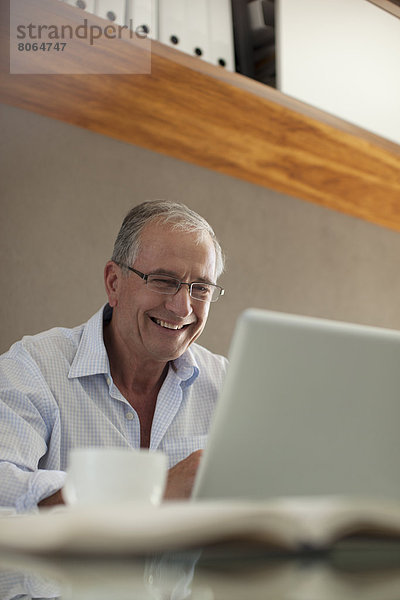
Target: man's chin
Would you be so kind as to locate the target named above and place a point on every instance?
(170, 354)
(169, 345)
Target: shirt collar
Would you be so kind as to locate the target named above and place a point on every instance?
(91, 357)
(186, 367)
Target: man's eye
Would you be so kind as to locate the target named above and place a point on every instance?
(203, 289)
(164, 282)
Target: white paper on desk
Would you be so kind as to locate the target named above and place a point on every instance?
(137, 529)
(134, 528)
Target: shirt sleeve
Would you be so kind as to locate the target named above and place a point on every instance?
(30, 432)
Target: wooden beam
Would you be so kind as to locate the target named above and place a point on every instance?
(391, 6)
(222, 121)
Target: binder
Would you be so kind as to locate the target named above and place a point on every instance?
(87, 5)
(113, 10)
(197, 36)
(143, 14)
(171, 24)
(199, 27)
(221, 34)
(184, 24)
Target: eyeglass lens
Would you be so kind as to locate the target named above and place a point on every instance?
(164, 284)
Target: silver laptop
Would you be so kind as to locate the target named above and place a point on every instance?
(309, 407)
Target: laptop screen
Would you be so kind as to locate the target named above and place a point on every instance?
(309, 407)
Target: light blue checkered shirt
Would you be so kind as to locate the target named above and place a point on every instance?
(57, 393)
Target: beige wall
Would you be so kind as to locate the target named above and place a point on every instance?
(65, 190)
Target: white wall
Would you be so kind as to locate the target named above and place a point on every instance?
(342, 56)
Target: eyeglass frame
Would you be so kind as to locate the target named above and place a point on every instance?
(145, 277)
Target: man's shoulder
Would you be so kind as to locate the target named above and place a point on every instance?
(50, 343)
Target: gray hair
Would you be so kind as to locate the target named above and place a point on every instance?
(179, 216)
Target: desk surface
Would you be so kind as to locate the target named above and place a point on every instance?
(234, 573)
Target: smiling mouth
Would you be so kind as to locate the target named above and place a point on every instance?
(167, 325)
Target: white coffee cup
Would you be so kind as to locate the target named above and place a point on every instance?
(115, 475)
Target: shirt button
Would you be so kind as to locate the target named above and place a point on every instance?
(129, 416)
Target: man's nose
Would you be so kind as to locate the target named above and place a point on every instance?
(181, 302)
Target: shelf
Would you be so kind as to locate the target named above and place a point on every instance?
(223, 121)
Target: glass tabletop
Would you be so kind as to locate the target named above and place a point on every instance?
(348, 571)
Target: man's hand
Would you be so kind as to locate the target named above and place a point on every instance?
(181, 477)
(52, 500)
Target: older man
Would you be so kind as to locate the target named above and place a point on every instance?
(132, 376)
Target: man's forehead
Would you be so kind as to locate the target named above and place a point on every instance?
(170, 234)
(162, 243)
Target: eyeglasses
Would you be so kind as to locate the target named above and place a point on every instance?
(164, 284)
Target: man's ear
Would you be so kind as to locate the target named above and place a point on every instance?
(112, 275)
